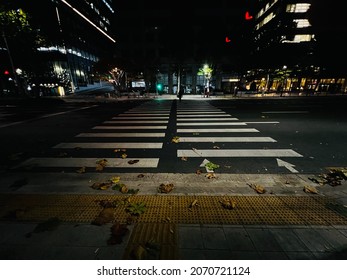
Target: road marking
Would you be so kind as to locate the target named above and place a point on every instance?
(198, 130)
(238, 153)
(137, 115)
(129, 127)
(226, 139)
(138, 118)
(204, 115)
(287, 165)
(200, 111)
(114, 145)
(207, 119)
(262, 122)
(139, 121)
(89, 162)
(46, 116)
(211, 123)
(285, 112)
(135, 134)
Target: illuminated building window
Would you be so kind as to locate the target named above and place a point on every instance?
(302, 23)
(298, 8)
(267, 7)
(265, 20)
(298, 38)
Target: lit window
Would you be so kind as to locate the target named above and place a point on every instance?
(302, 23)
(298, 38)
(298, 8)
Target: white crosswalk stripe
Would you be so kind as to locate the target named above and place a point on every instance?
(206, 124)
(122, 135)
(140, 117)
(226, 139)
(101, 145)
(238, 153)
(89, 162)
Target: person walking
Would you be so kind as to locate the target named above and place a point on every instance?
(180, 92)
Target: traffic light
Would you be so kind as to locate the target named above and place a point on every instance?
(159, 87)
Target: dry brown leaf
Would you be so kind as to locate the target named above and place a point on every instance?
(184, 158)
(165, 188)
(104, 217)
(194, 203)
(133, 161)
(258, 188)
(198, 171)
(227, 203)
(310, 189)
(140, 176)
(101, 186)
(124, 189)
(100, 164)
(81, 170)
(175, 139)
(124, 155)
(210, 175)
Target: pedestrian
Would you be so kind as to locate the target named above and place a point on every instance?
(180, 93)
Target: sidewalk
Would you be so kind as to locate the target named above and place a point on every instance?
(188, 223)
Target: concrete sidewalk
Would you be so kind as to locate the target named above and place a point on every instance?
(283, 223)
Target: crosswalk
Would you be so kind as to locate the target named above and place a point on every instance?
(136, 139)
(116, 137)
(205, 125)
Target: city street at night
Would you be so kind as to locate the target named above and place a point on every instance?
(272, 151)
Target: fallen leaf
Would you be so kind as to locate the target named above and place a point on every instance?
(165, 188)
(227, 203)
(175, 139)
(184, 158)
(81, 170)
(106, 215)
(101, 186)
(258, 188)
(194, 203)
(140, 176)
(216, 147)
(309, 189)
(133, 161)
(198, 171)
(115, 180)
(210, 175)
(124, 155)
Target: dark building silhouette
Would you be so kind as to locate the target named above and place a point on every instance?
(74, 35)
(298, 46)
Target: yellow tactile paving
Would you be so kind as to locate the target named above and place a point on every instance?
(269, 210)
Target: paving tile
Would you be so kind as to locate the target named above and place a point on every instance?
(69, 253)
(300, 255)
(244, 255)
(191, 254)
(217, 254)
(190, 237)
(273, 256)
(313, 240)
(263, 239)
(238, 239)
(214, 238)
(336, 239)
(288, 240)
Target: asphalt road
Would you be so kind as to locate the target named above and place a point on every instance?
(253, 136)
